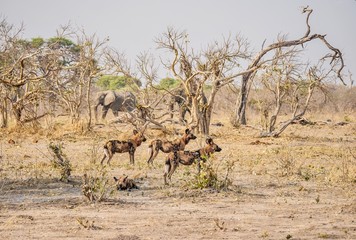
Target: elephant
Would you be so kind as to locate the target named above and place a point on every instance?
(116, 101)
(179, 97)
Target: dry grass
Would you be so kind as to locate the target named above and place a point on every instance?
(303, 181)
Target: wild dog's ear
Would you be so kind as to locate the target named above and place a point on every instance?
(209, 140)
(135, 131)
(125, 178)
(116, 179)
(187, 131)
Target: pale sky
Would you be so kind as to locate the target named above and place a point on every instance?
(132, 25)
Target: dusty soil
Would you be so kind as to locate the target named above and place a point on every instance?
(298, 186)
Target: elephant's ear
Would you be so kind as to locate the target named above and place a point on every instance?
(110, 97)
(135, 132)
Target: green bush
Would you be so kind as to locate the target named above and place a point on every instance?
(168, 83)
(61, 41)
(109, 82)
(37, 42)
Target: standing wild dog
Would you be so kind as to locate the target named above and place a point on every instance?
(115, 146)
(188, 158)
(169, 146)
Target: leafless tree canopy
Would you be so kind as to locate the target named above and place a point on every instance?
(37, 77)
(217, 66)
(53, 72)
(258, 61)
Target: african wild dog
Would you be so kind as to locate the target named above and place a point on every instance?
(169, 146)
(173, 160)
(125, 183)
(188, 158)
(206, 151)
(115, 146)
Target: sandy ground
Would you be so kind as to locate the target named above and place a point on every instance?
(314, 198)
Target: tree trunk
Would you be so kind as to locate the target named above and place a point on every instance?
(4, 114)
(17, 114)
(202, 111)
(203, 121)
(240, 109)
(277, 133)
(89, 105)
(74, 114)
(273, 119)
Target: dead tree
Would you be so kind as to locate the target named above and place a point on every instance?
(22, 71)
(148, 100)
(88, 68)
(216, 66)
(259, 60)
(291, 90)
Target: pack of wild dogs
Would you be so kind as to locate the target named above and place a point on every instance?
(174, 149)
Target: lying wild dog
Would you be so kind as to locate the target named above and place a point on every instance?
(188, 158)
(169, 146)
(125, 183)
(115, 146)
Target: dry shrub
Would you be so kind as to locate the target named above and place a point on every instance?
(95, 152)
(337, 166)
(87, 224)
(60, 161)
(334, 101)
(214, 174)
(344, 169)
(49, 127)
(339, 98)
(95, 186)
(316, 163)
(285, 161)
(311, 172)
(225, 100)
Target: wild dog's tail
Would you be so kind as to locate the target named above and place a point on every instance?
(167, 166)
(106, 149)
(153, 149)
(167, 169)
(150, 152)
(106, 145)
(106, 153)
